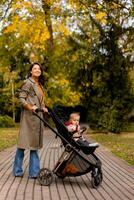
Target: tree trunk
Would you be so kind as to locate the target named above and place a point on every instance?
(46, 7)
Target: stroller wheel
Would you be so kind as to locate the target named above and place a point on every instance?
(45, 176)
(96, 178)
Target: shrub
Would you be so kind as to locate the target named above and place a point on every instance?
(6, 121)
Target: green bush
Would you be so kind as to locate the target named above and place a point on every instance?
(6, 121)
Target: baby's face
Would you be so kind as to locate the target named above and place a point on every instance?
(75, 120)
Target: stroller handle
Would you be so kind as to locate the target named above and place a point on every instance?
(37, 110)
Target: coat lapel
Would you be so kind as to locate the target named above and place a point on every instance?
(35, 87)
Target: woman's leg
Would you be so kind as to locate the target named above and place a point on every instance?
(34, 164)
(17, 165)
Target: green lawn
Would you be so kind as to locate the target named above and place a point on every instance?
(8, 137)
(121, 144)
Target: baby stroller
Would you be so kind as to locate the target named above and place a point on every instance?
(75, 160)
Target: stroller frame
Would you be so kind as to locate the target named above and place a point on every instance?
(71, 155)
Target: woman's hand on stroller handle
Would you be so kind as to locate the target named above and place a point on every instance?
(44, 110)
(34, 108)
(38, 110)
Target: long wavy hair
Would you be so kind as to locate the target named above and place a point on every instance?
(41, 77)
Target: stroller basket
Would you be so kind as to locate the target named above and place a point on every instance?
(72, 163)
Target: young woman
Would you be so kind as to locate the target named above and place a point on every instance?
(30, 137)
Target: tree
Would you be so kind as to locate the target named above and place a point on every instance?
(83, 43)
(103, 78)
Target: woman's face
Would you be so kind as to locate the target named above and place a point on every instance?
(36, 71)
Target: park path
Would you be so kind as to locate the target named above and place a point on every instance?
(118, 178)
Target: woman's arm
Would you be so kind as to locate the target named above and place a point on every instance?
(23, 95)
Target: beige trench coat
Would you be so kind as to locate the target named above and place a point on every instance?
(31, 128)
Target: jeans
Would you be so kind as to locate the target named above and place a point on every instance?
(34, 164)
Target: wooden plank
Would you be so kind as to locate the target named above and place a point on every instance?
(118, 183)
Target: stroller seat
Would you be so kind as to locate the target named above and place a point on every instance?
(59, 120)
(88, 149)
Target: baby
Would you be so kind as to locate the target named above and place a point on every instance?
(73, 126)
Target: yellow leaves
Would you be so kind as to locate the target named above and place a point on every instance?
(115, 5)
(63, 29)
(38, 33)
(9, 29)
(94, 5)
(22, 28)
(27, 25)
(101, 17)
(60, 92)
(33, 31)
(3, 69)
(12, 26)
(77, 4)
(21, 5)
(48, 2)
(56, 9)
(74, 58)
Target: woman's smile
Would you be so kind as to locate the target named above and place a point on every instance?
(36, 72)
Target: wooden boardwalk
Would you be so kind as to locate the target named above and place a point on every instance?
(118, 183)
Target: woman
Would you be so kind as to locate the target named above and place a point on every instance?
(31, 97)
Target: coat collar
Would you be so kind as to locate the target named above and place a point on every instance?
(32, 80)
(35, 87)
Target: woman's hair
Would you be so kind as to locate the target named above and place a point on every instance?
(41, 77)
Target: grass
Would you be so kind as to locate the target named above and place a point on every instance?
(8, 137)
(121, 144)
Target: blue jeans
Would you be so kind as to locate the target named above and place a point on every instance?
(34, 163)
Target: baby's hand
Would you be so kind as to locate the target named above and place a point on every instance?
(71, 128)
